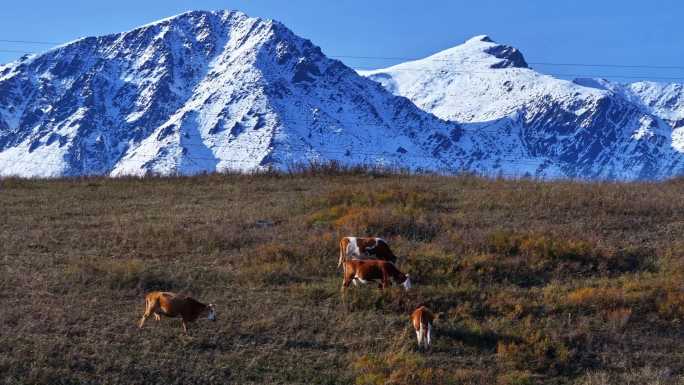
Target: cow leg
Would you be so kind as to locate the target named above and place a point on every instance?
(157, 317)
(147, 313)
(185, 326)
(429, 332)
(385, 279)
(343, 256)
(343, 289)
(142, 321)
(349, 276)
(348, 279)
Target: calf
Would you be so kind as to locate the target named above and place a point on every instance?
(175, 305)
(421, 319)
(365, 248)
(365, 271)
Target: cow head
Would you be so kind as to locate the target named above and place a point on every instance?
(212, 312)
(407, 283)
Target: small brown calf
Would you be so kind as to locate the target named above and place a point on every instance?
(421, 319)
(174, 305)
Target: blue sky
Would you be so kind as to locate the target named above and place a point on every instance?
(603, 32)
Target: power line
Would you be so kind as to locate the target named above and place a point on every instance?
(28, 42)
(569, 75)
(428, 59)
(664, 67)
(15, 51)
(539, 73)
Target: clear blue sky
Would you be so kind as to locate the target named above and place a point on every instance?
(597, 31)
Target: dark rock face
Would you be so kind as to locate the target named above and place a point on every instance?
(678, 123)
(510, 57)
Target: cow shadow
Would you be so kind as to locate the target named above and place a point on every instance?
(314, 345)
(447, 337)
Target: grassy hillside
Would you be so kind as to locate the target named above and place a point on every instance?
(554, 283)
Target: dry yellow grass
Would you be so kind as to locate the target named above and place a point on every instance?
(556, 282)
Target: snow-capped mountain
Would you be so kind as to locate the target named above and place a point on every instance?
(518, 121)
(204, 91)
(214, 91)
(665, 100)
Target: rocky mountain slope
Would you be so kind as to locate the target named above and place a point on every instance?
(203, 92)
(519, 121)
(216, 91)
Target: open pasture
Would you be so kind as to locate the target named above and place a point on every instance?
(535, 282)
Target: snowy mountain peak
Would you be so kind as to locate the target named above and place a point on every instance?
(481, 51)
(479, 38)
(519, 121)
(213, 91)
(200, 92)
(222, 14)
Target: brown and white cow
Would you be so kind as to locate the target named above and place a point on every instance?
(422, 319)
(365, 271)
(365, 248)
(176, 305)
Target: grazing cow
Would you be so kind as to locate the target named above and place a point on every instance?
(176, 305)
(365, 248)
(421, 319)
(365, 271)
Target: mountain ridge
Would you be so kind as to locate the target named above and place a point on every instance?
(586, 132)
(201, 92)
(208, 91)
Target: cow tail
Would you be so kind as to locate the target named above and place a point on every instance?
(339, 263)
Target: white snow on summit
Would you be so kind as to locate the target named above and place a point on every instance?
(519, 116)
(214, 91)
(204, 92)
